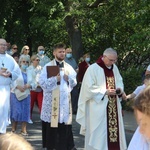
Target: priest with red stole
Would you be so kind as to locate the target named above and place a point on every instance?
(99, 108)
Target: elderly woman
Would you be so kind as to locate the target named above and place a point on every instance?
(36, 92)
(20, 98)
(142, 112)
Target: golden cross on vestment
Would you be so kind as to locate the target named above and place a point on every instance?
(54, 115)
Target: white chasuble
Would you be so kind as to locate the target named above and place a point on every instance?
(92, 109)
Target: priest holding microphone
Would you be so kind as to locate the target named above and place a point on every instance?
(99, 108)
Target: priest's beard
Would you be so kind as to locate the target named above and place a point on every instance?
(59, 58)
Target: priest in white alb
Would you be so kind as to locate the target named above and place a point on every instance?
(99, 108)
(9, 71)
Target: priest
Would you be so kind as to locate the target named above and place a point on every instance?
(56, 114)
(99, 109)
(9, 71)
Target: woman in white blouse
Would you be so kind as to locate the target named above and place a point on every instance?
(36, 92)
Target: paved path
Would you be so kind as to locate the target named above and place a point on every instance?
(35, 137)
(129, 121)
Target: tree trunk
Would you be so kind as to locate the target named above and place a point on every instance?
(75, 38)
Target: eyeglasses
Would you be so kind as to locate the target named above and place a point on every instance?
(25, 61)
(37, 60)
(15, 48)
(112, 60)
(27, 49)
(3, 45)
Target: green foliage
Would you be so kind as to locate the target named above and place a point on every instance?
(132, 78)
(123, 25)
(117, 25)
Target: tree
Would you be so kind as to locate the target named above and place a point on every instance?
(86, 26)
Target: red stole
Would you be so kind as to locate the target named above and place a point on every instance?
(112, 111)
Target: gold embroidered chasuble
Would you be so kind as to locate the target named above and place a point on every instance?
(112, 113)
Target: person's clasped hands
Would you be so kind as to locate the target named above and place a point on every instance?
(23, 88)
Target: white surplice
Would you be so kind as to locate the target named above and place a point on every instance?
(8, 62)
(92, 109)
(49, 84)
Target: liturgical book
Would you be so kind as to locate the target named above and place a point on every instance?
(52, 71)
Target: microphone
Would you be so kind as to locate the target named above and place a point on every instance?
(118, 91)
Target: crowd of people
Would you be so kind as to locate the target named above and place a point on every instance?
(62, 87)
